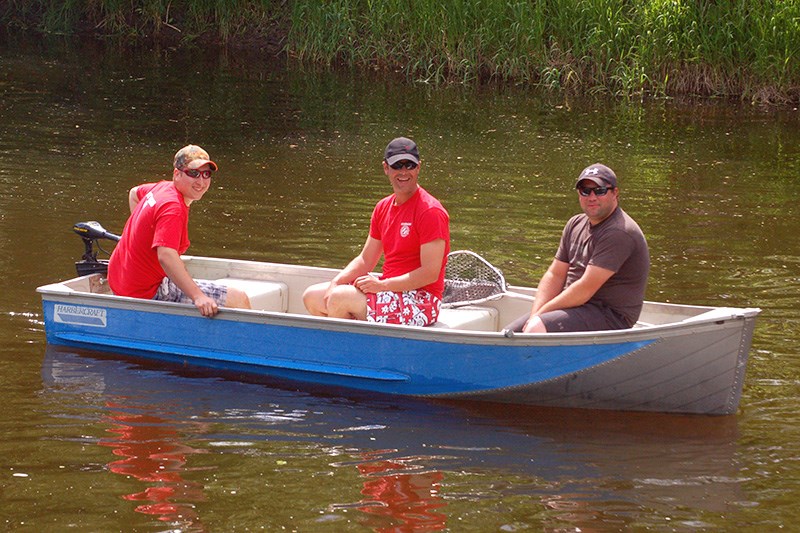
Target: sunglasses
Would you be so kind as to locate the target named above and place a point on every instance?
(408, 165)
(194, 174)
(598, 191)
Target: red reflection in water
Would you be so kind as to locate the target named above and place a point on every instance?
(153, 453)
(407, 499)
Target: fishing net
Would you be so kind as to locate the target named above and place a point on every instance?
(469, 278)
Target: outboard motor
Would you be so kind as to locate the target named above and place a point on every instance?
(91, 232)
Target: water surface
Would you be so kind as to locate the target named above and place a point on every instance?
(100, 442)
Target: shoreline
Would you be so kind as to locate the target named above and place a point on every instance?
(509, 50)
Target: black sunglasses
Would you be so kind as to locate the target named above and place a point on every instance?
(409, 165)
(194, 174)
(598, 191)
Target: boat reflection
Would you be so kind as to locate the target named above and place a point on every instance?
(152, 452)
(400, 493)
(414, 458)
(150, 446)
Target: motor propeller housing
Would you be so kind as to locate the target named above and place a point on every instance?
(93, 230)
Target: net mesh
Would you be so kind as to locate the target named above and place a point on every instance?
(469, 278)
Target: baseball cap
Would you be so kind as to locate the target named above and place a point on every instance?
(600, 174)
(191, 157)
(401, 149)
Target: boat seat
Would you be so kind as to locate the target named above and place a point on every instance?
(264, 295)
(467, 318)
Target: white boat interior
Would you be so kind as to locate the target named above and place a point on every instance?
(278, 288)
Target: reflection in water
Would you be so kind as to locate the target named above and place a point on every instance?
(408, 495)
(569, 509)
(624, 459)
(151, 452)
(548, 468)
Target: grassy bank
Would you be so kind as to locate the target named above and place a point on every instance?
(229, 22)
(744, 48)
(749, 49)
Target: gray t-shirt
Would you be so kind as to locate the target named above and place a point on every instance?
(616, 244)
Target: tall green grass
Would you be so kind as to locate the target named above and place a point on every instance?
(747, 48)
(736, 47)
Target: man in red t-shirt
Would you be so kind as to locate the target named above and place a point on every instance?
(411, 229)
(146, 262)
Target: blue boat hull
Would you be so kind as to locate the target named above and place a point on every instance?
(389, 364)
(655, 371)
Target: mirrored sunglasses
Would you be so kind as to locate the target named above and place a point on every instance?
(194, 174)
(409, 165)
(598, 191)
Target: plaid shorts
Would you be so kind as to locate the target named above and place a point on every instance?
(169, 292)
(409, 308)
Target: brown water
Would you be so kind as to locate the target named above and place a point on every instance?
(98, 442)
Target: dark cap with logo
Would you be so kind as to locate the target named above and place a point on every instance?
(600, 174)
(401, 149)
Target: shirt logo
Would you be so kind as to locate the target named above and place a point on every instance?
(405, 229)
(150, 199)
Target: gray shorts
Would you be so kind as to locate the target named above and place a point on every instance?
(169, 292)
(587, 317)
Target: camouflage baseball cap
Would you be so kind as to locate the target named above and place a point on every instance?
(191, 157)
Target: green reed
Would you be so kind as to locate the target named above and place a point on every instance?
(749, 48)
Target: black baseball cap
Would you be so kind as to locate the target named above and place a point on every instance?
(401, 149)
(600, 174)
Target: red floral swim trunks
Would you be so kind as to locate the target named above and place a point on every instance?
(409, 308)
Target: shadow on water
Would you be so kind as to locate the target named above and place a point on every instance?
(406, 457)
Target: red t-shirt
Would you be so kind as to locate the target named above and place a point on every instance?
(403, 229)
(160, 219)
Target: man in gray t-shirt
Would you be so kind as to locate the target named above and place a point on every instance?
(598, 277)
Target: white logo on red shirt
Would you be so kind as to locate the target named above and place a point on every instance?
(405, 229)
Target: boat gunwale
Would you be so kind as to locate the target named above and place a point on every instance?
(58, 291)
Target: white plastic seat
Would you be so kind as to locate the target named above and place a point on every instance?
(264, 295)
(468, 318)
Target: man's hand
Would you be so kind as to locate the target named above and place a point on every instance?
(207, 306)
(368, 284)
(176, 271)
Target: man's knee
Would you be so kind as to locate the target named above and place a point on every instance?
(313, 299)
(535, 325)
(237, 298)
(518, 325)
(347, 302)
